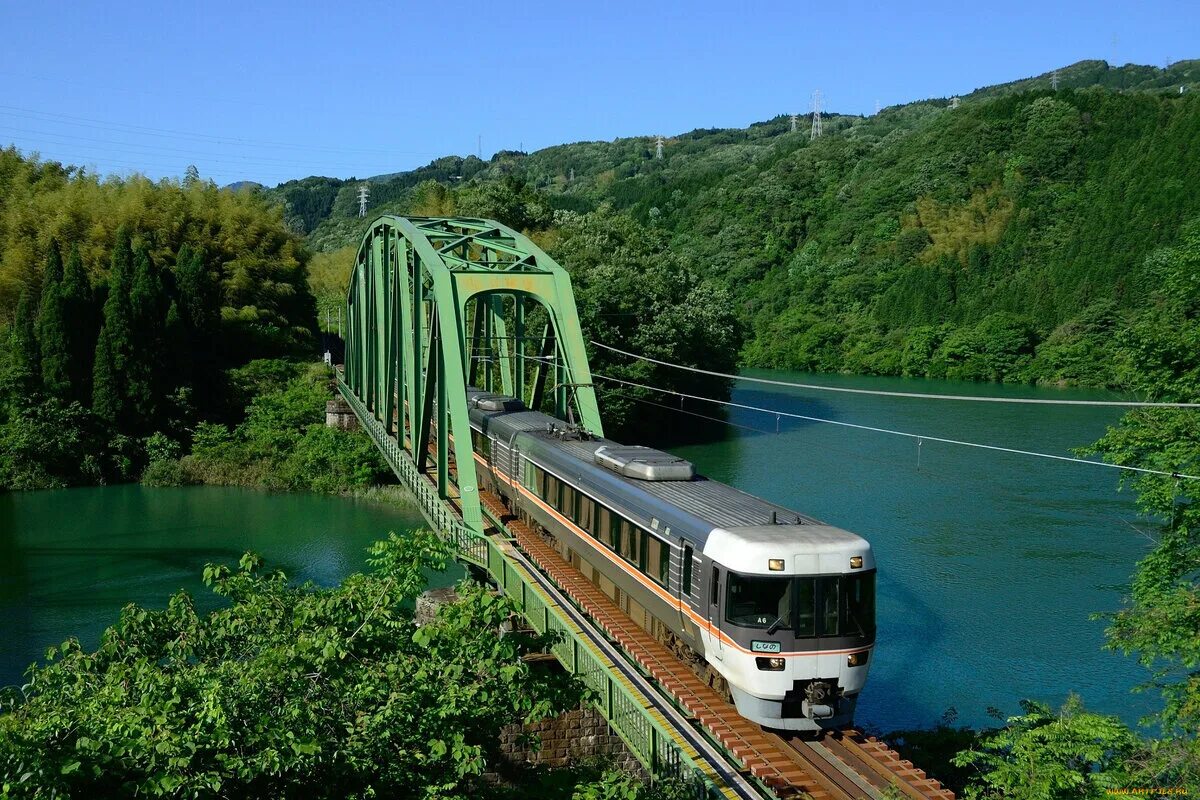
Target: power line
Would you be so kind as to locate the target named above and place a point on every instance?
(919, 437)
(912, 395)
(85, 122)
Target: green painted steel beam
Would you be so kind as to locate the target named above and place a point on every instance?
(410, 352)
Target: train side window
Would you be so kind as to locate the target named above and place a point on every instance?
(687, 569)
(614, 532)
(551, 490)
(600, 524)
(530, 476)
(658, 560)
(566, 501)
(587, 508)
(629, 543)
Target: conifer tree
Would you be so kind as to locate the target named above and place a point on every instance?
(107, 401)
(115, 347)
(26, 369)
(52, 330)
(200, 316)
(144, 368)
(80, 325)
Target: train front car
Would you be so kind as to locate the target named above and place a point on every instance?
(795, 606)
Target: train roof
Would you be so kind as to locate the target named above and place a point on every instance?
(716, 504)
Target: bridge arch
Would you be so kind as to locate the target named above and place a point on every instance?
(439, 303)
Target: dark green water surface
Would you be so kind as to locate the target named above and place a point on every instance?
(70, 559)
(989, 563)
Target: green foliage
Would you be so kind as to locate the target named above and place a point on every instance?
(283, 442)
(50, 444)
(633, 293)
(288, 691)
(1047, 755)
(79, 327)
(54, 349)
(1023, 202)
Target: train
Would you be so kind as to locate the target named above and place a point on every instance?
(775, 609)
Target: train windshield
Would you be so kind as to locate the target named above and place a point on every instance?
(755, 602)
(830, 605)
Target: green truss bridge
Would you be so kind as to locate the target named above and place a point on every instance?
(439, 304)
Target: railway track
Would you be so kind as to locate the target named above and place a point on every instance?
(843, 765)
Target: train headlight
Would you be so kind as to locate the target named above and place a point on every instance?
(856, 659)
(855, 562)
(775, 564)
(770, 664)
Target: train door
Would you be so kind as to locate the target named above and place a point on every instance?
(716, 599)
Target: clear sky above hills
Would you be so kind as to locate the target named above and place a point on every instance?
(272, 90)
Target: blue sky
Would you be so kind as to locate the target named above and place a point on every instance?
(270, 90)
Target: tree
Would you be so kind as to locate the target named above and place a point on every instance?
(1044, 755)
(26, 358)
(286, 691)
(199, 318)
(145, 366)
(53, 344)
(115, 347)
(79, 329)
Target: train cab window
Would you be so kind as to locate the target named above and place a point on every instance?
(658, 560)
(828, 605)
(806, 607)
(858, 604)
(752, 601)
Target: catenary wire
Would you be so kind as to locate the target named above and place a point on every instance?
(918, 436)
(912, 395)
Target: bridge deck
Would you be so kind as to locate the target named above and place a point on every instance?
(600, 641)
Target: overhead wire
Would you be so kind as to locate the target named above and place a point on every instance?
(891, 432)
(885, 393)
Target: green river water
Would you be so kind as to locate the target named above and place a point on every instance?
(990, 563)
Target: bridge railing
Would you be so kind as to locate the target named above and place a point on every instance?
(646, 737)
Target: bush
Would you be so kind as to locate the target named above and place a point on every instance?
(290, 691)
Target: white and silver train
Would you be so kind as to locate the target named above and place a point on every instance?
(775, 608)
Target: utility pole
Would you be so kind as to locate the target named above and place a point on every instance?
(658, 148)
(1054, 80)
(363, 194)
(816, 115)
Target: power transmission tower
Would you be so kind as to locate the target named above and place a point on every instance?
(1054, 80)
(816, 115)
(876, 106)
(793, 123)
(658, 148)
(363, 194)
(954, 102)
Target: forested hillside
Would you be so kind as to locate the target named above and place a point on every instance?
(1008, 238)
(125, 308)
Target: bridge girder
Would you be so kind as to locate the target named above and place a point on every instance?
(437, 303)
